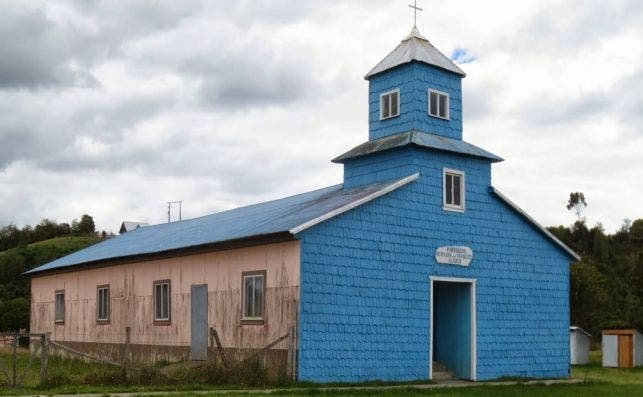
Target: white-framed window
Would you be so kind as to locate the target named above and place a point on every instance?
(253, 295)
(390, 104)
(162, 302)
(59, 307)
(454, 189)
(102, 303)
(438, 104)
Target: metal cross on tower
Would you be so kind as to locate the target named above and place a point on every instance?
(415, 12)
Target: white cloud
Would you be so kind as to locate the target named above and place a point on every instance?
(225, 104)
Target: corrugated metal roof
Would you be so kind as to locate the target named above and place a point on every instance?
(419, 138)
(291, 214)
(415, 47)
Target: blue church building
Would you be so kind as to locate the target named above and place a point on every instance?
(415, 261)
(444, 269)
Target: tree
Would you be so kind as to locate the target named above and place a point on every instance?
(577, 203)
(589, 296)
(86, 225)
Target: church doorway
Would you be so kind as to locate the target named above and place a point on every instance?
(453, 328)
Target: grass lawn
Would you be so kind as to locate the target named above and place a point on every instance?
(596, 373)
(583, 390)
(75, 376)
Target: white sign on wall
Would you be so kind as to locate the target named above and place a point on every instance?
(460, 256)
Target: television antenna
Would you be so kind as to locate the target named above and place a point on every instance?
(170, 204)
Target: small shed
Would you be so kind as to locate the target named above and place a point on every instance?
(622, 348)
(579, 341)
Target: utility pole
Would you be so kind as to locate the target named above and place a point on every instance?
(169, 209)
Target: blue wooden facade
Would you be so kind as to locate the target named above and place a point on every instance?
(366, 289)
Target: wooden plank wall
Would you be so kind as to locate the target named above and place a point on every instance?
(131, 296)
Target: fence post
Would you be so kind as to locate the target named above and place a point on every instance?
(15, 359)
(291, 354)
(44, 356)
(127, 352)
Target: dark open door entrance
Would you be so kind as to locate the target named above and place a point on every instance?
(199, 345)
(452, 340)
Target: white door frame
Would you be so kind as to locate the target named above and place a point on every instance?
(471, 281)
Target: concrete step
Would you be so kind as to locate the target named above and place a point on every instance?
(440, 372)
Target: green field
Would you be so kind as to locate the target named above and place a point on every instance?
(74, 376)
(65, 244)
(68, 243)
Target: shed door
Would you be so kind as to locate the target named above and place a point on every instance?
(625, 351)
(199, 345)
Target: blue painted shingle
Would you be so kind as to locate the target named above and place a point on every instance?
(365, 277)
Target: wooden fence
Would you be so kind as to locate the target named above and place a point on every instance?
(291, 358)
(15, 378)
(12, 377)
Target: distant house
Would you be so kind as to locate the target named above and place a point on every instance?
(579, 342)
(128, 226)
(622, 348)
(414, 259)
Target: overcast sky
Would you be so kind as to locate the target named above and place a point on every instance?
(113, 108)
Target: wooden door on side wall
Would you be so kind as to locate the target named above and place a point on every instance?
(199, 343)
(625, 351)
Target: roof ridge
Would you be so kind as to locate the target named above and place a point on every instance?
(415, 34)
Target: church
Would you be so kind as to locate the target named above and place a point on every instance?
(414, 264)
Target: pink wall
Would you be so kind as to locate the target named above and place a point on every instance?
(131, 289)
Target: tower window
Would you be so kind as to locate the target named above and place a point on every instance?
(453, 182)
(389, 104)
(439, 104)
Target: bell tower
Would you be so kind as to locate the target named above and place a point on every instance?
(415, 88)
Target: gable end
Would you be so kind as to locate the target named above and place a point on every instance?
(535, 223)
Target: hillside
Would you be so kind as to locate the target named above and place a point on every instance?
(15, 288)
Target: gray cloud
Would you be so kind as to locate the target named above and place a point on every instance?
(627, 102)
(621, 102)
(572, 26)
(33, 53)
(253, 79)
(39, 50)
(119, 106)
(546, 111)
